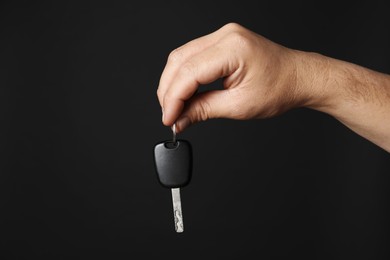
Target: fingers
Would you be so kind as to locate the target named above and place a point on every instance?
(201, 68)
(180, 55)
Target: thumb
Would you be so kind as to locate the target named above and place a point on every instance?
(207, 105)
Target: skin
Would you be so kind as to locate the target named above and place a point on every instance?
(262, 79)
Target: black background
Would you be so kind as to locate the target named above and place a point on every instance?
(80, 117)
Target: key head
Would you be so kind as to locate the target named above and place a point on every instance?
(173, 162)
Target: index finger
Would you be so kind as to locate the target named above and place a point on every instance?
(203, 68)
(178, 57)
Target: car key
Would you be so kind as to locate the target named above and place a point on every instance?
(173, 162)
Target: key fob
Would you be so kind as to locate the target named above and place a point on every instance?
(173, 162)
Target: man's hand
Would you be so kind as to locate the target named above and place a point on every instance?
(259, 78)
(262, 79)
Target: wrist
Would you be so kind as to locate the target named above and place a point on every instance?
(314, 76)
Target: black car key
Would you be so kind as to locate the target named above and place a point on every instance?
(173, 162)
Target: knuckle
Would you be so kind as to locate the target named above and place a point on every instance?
(188, 68)
(159, 93)
(175, 56)
(232, 26)
(240, 40)
(238, 36)
(170, 95)
(203, 111)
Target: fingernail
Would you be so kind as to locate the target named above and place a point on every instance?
(183, 123)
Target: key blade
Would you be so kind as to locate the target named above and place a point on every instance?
(177, 212)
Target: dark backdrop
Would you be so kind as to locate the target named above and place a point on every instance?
(80, 117)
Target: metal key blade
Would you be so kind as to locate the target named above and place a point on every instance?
(177, 213)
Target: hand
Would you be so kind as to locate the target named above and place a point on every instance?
(259, 78)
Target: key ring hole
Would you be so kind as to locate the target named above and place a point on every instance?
(171, 144)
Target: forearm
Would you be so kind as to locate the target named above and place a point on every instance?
(356, 96)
